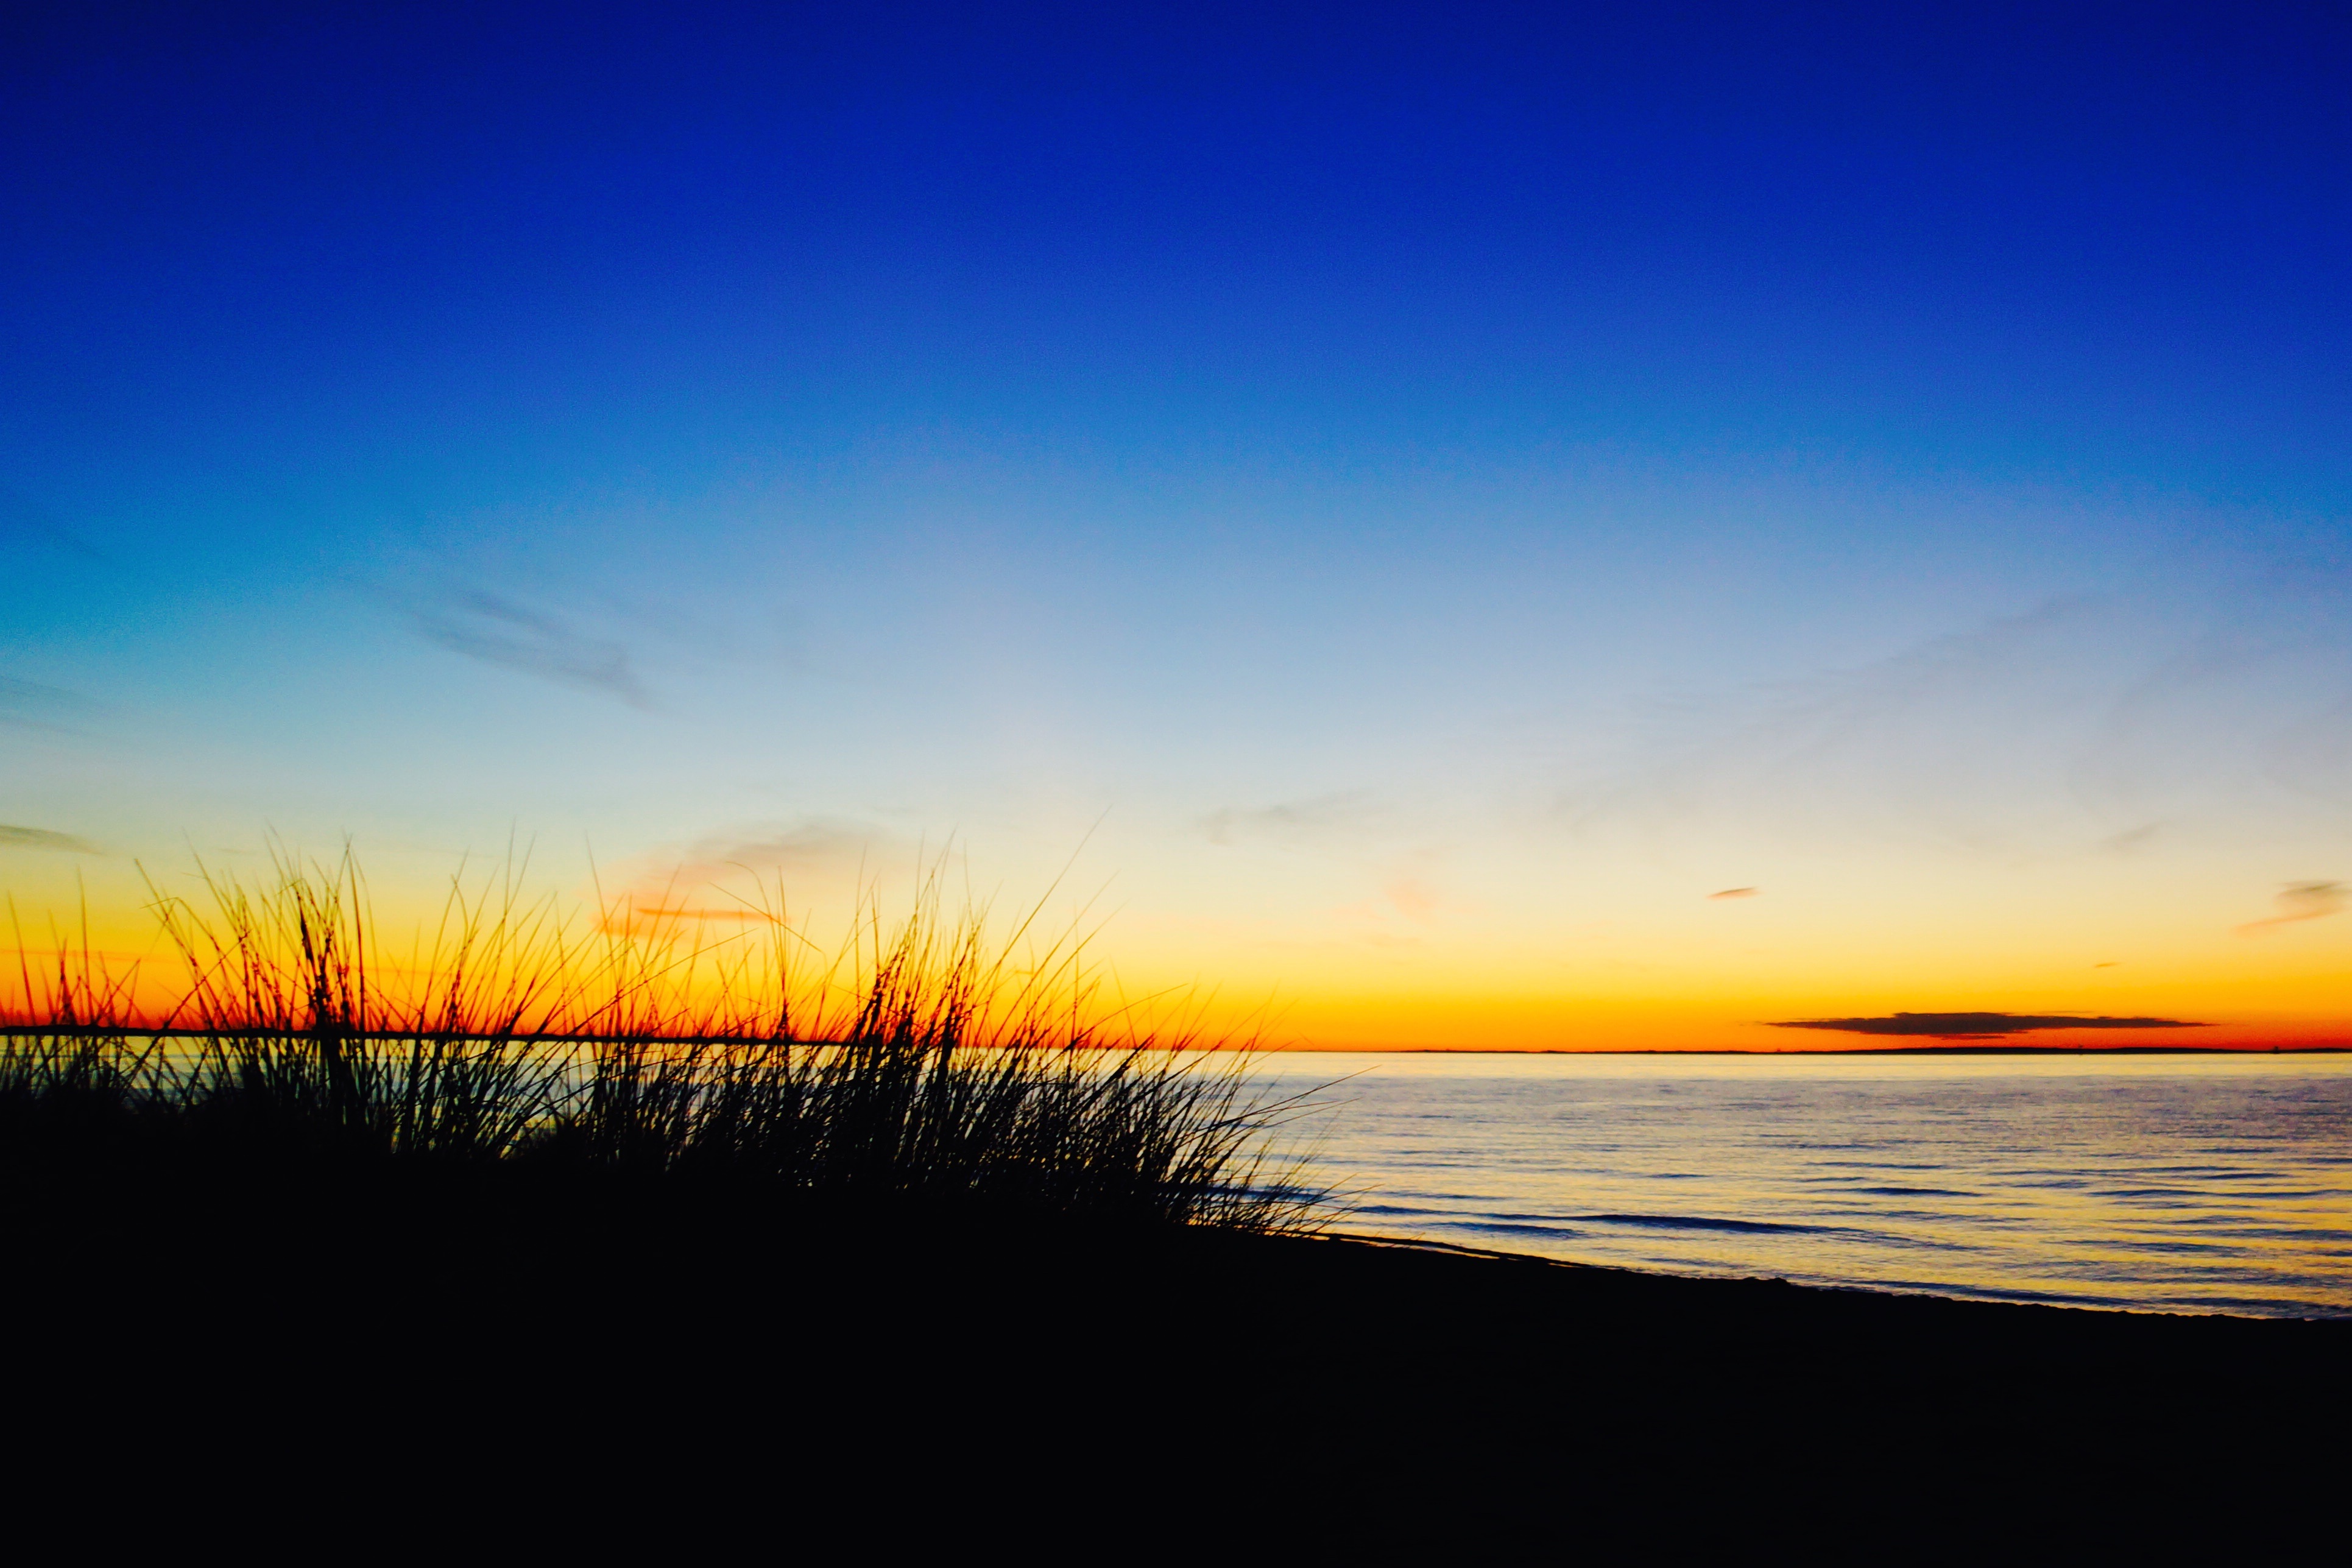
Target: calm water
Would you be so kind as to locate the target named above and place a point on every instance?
(2194, 1184)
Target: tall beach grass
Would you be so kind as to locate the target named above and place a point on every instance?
(923, 1066)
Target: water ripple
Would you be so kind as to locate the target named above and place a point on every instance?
(2180, 1184)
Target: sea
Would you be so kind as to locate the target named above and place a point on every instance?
(2153, 1183)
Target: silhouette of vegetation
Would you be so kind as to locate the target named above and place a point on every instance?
(921, 1070)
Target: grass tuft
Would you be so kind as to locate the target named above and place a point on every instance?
(925, 1070)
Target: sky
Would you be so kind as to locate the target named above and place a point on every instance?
(1480, 527)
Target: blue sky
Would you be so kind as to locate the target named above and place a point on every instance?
(1412, 482)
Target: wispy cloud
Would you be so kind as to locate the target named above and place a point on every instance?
(1735, 893)
(1975, 1026)
(724, 878)
(497, 631)
(1291, 822)
(1413, 898)
(25, 520)
(2083, 726)
(822, 846)
(13, 837)
(1961, 738)
(2302, 901)
(26, 705)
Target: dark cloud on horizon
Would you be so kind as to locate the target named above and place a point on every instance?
(493, 630)
(45, 839)
(1975, 1025)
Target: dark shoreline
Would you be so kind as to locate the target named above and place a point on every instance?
(1508, 1256)
(404, 1356)
(970, 1326)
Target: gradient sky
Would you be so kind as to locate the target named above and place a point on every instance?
(1418, 501)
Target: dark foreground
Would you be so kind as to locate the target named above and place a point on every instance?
(640, 1327)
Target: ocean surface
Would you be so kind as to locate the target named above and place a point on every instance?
(2159, 1183)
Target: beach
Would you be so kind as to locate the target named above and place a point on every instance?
(708, 1321)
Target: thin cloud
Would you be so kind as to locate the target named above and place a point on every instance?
(45, 839)
(500, 632)
(1414, 898)
(22, 518)
(652, 914)
(26, 705)
(2116, 726)
(1968, 738)
(825, 847)
(1735, 893)
(1975, 1025)
(724, 878)
(2302, 901)
(1289, 822)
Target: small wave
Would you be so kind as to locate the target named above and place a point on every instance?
(1509, 1229)
(2207, 1197)
(1883, 1165)
(1688, 1222)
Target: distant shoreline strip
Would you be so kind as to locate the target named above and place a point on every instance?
(185, 1032)
(1827, 1050)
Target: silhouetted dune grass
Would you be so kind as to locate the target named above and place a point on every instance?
(924, 1068)
(528, 1213)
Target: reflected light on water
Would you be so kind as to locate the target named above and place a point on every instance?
(2180, 1184)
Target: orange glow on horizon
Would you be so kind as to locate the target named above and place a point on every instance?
(1693, 970)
